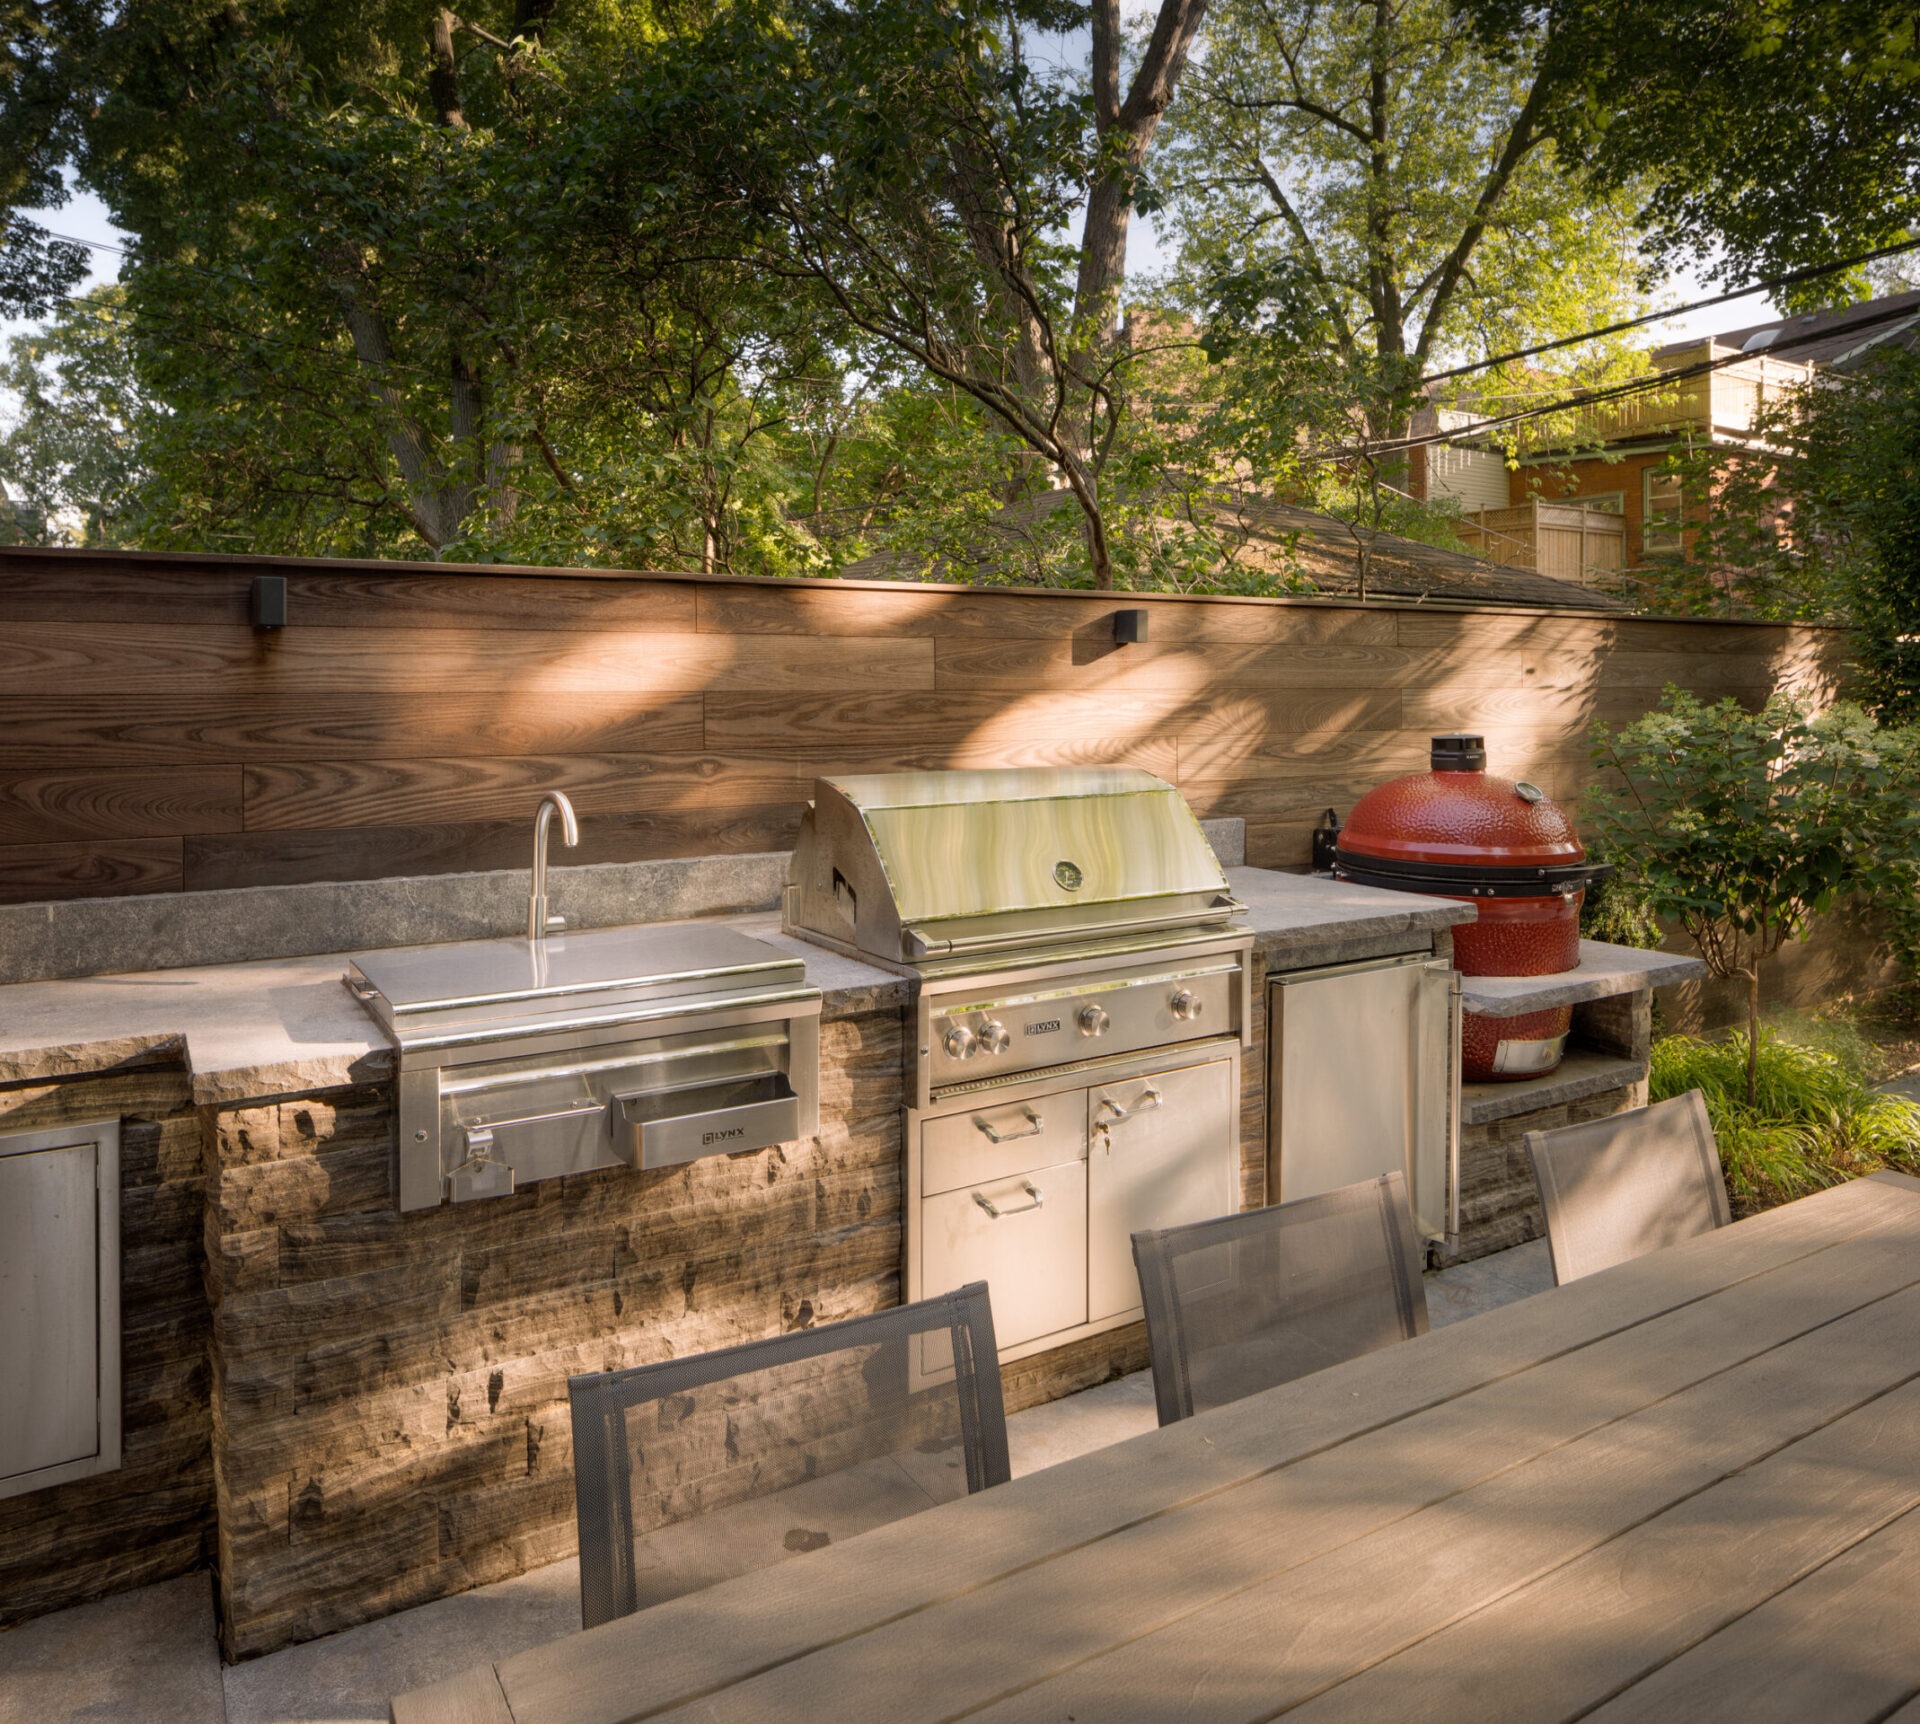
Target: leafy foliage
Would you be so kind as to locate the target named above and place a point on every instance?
(1359, 192)
(1776, 133)
(1791, 1119)
(76, 449)
(1741, 826)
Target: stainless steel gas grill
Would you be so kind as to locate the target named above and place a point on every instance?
(638, 1047)
(1081, 1008)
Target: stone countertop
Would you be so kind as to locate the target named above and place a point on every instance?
(280, 1026)
(1293, 911)
(1602, 972)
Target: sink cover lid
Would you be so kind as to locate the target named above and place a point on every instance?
(479, 981)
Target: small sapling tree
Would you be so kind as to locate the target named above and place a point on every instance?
(1741, 826)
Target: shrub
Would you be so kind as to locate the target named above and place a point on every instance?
(1742, 826)
(1814, 1119)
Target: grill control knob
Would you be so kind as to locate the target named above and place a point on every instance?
(993, 1037)
(960, 1042)
(1094, 1020)
(1185, 1003)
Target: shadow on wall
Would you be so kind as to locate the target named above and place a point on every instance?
(407, 719)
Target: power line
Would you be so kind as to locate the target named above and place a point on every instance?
(1618, 391)
(1813, 272)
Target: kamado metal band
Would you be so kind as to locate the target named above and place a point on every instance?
(1467, 879)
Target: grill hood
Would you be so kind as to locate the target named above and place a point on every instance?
(916, 866)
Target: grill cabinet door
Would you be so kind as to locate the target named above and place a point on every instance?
(1168, 1161)
(1361, 1062)
(59, 1306)
(1032, 1254)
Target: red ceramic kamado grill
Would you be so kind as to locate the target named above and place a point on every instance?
(1459, 832)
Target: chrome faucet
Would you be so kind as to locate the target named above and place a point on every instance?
(539, 923)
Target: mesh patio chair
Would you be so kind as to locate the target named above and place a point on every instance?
(1249, 1301)
(1617, 1188)
(692, 1471)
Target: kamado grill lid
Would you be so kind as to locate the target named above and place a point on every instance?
(1460, 831)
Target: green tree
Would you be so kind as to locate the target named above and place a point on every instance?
(72, 442)
(1359, 192)
(403, 291)
(1776, 133)
(924, 170)
(1742, 826)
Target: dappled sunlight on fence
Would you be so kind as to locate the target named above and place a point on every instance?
(406, 719)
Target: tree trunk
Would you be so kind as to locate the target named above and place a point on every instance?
(1753, 1034)
(443, 80)
(1086, 492)
(409, 444)
(1125, 130)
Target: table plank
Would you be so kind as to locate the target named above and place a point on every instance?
(1324, 1622)
(1167, 1569)
(472, 1697)
(1605, 1621)
(1839, 1645)
(698, 1646)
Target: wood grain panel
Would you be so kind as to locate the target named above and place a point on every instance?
(99, 730)
(431, 791)
(148, 658)
(1244, 728)
(30, 872)
(1524, 707)
(51, 807)
(394, 596)
(409, 716)
(972, 729)
(1021, 665)
(960, 612)
(300, 856)
(1710, 674)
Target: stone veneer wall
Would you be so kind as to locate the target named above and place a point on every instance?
(1499, 1205)
(153, 1518)
(390, 1395)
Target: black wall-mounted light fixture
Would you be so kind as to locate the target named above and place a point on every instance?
(1129, 627)
(267, 602)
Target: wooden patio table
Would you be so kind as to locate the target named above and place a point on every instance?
(1687, 1488)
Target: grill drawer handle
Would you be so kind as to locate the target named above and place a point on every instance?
(1035, 1127)
(993, 1209)
(1150, 1098)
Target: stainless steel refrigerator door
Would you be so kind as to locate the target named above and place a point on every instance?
(1360, 1063)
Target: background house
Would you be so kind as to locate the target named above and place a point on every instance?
(1599, 494)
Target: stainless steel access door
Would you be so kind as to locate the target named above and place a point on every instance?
(1363, 1079)
(59, 1305)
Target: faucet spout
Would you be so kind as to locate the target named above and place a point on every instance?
(539, 923)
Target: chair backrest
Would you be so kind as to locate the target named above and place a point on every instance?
(1248, 1301)
(693, 1470)
(1617, 1188)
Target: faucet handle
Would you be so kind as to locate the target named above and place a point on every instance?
(555, 923)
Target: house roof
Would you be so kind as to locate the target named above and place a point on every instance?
(1819, 337)
(1284, 539)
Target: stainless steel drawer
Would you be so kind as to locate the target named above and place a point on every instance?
(1026, 1237)
(1000, 1138)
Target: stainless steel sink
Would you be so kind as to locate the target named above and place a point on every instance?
(640, 1047)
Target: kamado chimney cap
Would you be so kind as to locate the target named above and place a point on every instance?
(1459, 751)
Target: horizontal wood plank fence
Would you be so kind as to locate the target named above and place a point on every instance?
(408, 717)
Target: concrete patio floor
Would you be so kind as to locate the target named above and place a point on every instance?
(151, 1655)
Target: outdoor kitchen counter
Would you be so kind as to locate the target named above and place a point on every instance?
(282, 1025)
